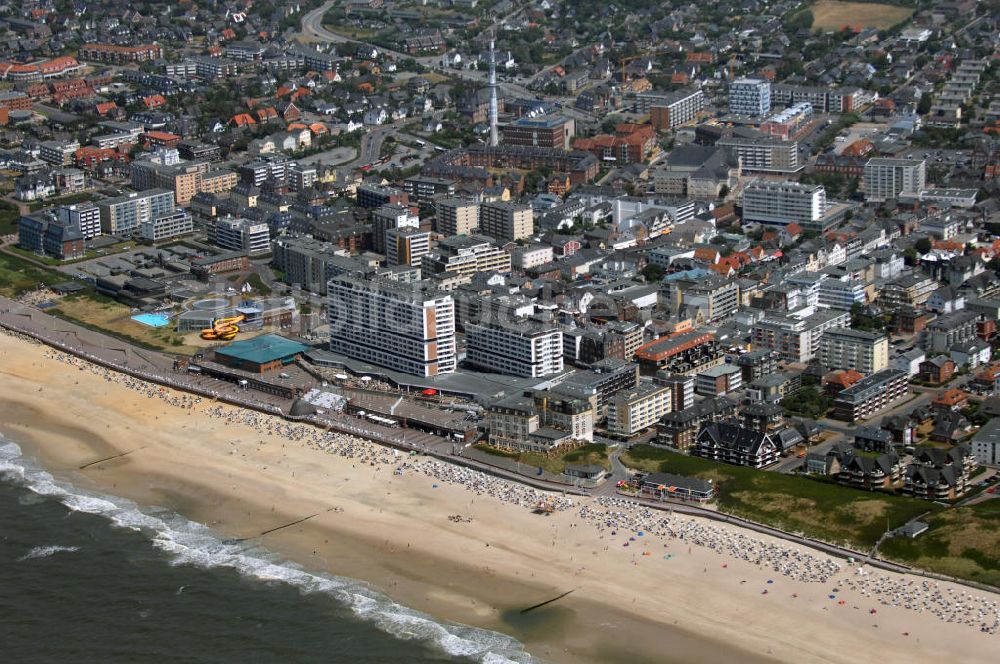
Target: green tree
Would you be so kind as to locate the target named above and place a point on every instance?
(923, 245)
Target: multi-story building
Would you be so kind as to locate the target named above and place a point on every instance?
(598, 383)
(218, 181)
(763, 154)
(841, 294)
(750, 97)
(58, 153)
(797, 339)
(719, 381)
(374, 196)
(456, 216)
(547, 131)
(124, 214)
(782, 203)
(672, 109)
(681, 389)
(400, 326)
(822, 100)
(115, 54)
(717, 296)
(466, 256)
(388, 217)
(406, 246)
(301, 176)
(44, 233)
(85, 216)
(844, 348)
(515, 348)
(245, 235)
(758, 363)
(635, 411)
(166, 226)
(732, 443)
(870, 395)
(887, 178)
(424, 189)
(506, 221)
(183, 179)
(948, 331)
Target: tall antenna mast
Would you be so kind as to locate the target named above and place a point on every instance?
(494, 139)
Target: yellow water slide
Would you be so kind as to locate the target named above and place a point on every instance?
(223, 329)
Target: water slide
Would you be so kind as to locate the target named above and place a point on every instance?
(223, 329)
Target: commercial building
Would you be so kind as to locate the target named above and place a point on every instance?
(783, 203)
(125, 214)
(634, 411)
(539, 422)
(750, 97)
(399, 326)
(506, 221)
(406, 246)
(887, 178)
(546, 131)
(244, 235)
(844, 348)
(515, 348)
(456, 216)
(600, 382)
(870, 395)
(260, 354)
(673, 109)
(797, 339)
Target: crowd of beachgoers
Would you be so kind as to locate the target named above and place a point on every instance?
(618, 521)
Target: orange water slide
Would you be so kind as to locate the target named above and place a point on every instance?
(223, 329)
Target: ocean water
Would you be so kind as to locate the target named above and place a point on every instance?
(92, 578)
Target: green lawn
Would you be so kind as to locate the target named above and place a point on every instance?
(18, 276)
(592, 454)
(962, 542)
(793, 503)
(65, 200)
(9, 215)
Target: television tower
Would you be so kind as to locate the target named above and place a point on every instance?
(494, 139)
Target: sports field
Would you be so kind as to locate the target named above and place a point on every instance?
(834, 15)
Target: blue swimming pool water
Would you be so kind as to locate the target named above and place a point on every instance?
(152, 320)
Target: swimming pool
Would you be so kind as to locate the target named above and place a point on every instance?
(152, 320)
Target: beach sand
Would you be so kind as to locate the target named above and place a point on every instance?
(393, 532)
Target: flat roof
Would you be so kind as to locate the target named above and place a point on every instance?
(262, 349)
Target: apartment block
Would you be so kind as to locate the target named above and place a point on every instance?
(635, 411)
(406, 246)
(166, 226)
(466, 256)
(399, 326)
(456, 216)
(845, 348)
(782, 203)
(85, 216)
(515, 349)
(797, 339)
(671, 110)
(506, 221)
(750, 97)
(886, 178)
(122, 215)
(243, 235)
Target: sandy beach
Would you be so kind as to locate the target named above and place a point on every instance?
(391, 521)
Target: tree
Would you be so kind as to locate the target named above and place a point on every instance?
(923, 245)
(652, 272)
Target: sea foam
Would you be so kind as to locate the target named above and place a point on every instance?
(46, 551)
(190, 543)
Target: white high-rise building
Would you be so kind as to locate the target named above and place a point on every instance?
(400, 326)
(887, 178)
(782, 203)
(246, 235)
(406, 246)
(85, 216)
(750, 96)
(516, 349)
(124, 214)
